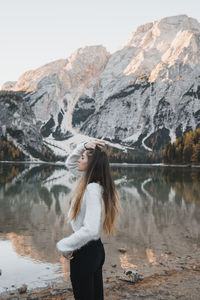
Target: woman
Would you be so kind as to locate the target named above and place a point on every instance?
(94, 197)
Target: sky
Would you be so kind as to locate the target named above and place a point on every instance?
(36, 32)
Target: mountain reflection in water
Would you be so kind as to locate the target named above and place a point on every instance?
(160, 213)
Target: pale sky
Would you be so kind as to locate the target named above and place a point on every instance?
(36, 32)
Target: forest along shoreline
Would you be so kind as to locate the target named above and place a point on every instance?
(177, 278)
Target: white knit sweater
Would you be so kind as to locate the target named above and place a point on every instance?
(88, 224)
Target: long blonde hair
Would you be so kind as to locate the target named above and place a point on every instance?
(98, 170)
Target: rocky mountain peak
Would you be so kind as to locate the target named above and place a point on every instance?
(85, 54)
(146, 35)
(85, 64)
(161, 44)
(29, 80)
(8, 85)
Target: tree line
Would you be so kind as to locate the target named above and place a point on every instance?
(185, 149)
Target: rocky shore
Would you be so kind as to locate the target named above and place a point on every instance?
(176, 279)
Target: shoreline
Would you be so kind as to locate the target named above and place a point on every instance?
(176, 279)
(59, 163)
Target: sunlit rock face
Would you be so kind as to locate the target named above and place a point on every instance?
(56, 87)
(150, 88)
(145, 93)
(8, 85)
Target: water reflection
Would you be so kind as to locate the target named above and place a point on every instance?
(160, 214)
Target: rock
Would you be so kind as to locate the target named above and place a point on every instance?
(122, 250)
(12, 293)
(132, 276)
(0, 272)
(168, 252)
(54, 292)
(83, 109)
(22, 289)
(8, 85)
(114, 266)
(196, 268)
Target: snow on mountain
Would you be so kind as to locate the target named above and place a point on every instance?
(20, 138)
(144, 94)
(149, 89)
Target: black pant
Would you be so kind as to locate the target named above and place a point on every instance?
(86, 271)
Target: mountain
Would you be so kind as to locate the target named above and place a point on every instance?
(55, 88)
(149, 90)
(143, 95)
(19, 130)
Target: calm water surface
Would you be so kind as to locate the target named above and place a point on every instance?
(160, 217)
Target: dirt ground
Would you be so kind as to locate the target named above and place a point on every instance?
(176, 279)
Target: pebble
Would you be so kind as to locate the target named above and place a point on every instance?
(122, 250)
(168, 252)
(22, 289)
(12, 293)
(196, 268)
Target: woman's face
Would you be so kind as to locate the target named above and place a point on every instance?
(83, 162)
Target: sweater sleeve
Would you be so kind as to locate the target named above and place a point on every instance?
(91, 223)
(72, 160)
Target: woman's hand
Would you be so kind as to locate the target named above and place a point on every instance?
(92, 144)
(69, 255)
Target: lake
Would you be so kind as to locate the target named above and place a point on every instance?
(160, 219)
